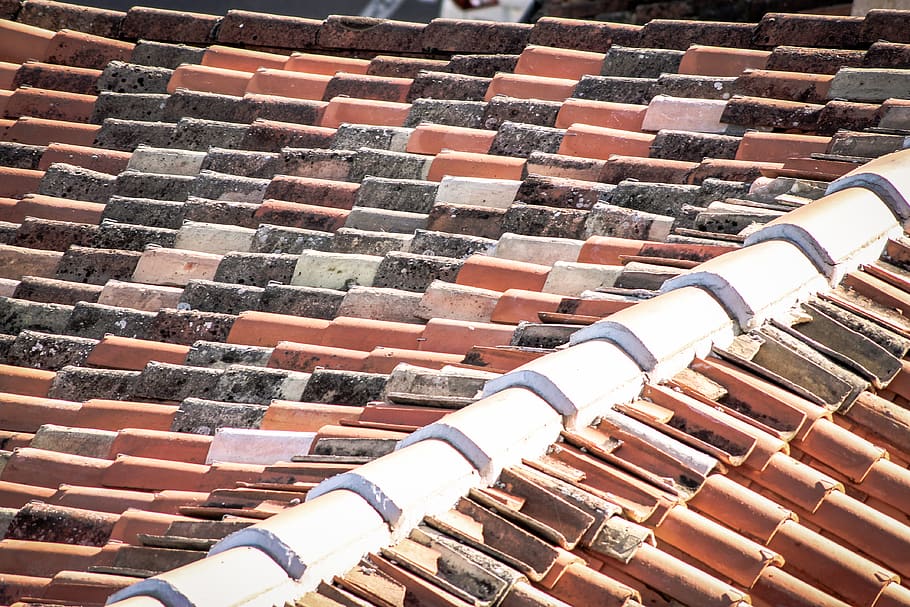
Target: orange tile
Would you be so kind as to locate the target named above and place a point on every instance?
(134, 523)
(24, 381)
(383, 360)
(740, 508)
(431, 139)
(558, 62)
(530, 87)
(600, 142)
(114, 352)
(365, 111)
(242, 60)
(176, 446)
(8, 74)
(41, 131)
(209, 80)
(578, 584)
(111, 162)
(498, 274)
(16, 495)
(306, 417)
(716, 546)
(317, 192)
(22, 42)
(309, 357)
(777, 587)
(366, 334)
(79, 49)
(830, 566)
(26, 413)
(296, 85)
(266, 329)
(58, 209)
(297, 215)
(720, 61)
(52, 469)
(466, 164)
(608, 250)
(622, 116)
(152, 474)
(117, 414)
(29, 557)
(516, 305)
(19, 182)
(100, 499)
(325, 64)
(778, 147)
(459, 336)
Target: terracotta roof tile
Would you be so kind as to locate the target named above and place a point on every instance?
(524, 86)
(230, 58)
(85, 50)
(721, 61)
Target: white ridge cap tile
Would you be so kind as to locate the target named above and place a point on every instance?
(888, 176)
(263, 447)
(685, 114)
(497, 431)
(665, 333)
(839, 232)
(316, 539)
(574, 382)
(241, 576)
(756, 283)
(421, 480)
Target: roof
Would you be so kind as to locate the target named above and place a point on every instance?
(362, 312)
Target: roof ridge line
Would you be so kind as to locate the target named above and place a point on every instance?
(805, 252)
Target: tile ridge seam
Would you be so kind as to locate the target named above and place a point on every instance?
(336, 559)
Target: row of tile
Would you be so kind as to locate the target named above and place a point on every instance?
(630, 340)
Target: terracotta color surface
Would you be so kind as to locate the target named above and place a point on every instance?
(530, 87)
(243, 60)
(86, 50)
(176, 446)
(324, 64)
(288, 84)
(433, 138)
(40, 131)
(364, 111)
(265, 329)
(55, 105)
(622, 116)
(466, 164)
(305, 417)
(26, 413)
(366, 334)
(209, 80)
(599, 142)
(500, 274)
(22, 42)
(18, 182)
(719, 61)
(307, 357)
(310, 191)
(459, 336)
(24, 381)
(111, 162)
(558, 62)
(308, 216)
(116, 414)
(124, 353)
(8, 74)
(517, 305)
(384, 359)
(778, 147)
